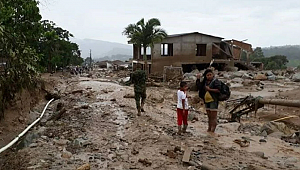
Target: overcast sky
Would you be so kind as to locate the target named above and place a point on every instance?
(263, 22)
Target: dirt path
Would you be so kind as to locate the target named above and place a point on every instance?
(100, 128)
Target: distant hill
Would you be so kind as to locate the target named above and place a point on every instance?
(115, 57)
(101, 48)
(292, 52)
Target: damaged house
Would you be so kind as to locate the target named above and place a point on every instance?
(189, 51)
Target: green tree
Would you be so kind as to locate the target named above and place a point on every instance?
(145, 35)
(56, 48)
(20, 30)
(257, 54)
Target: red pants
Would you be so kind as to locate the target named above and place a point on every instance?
(182, 117)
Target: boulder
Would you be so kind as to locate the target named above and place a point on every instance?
(260, 77)
(269, 73)
(272, 127)
(231, 69)
(272, 77)
(196, 71)
(237, 80)
(236, 74)
(228, 127)
(296, 77)
(247, 76)
(189, 76)
(248, 82)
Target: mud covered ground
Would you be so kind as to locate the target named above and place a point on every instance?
(99, 129)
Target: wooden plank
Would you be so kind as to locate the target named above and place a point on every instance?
(187, 154)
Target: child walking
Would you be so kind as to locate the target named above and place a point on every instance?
(182, 107)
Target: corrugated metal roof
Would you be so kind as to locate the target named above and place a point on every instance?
(183, 34)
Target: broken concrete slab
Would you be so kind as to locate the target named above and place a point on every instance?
(187, 155)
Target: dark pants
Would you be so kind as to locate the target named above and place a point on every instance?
(138, 96)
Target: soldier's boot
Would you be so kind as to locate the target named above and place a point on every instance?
(139, 112)
(184, 128)
(142, 107)
(179, 130)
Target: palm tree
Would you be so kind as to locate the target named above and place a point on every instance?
(145, 35)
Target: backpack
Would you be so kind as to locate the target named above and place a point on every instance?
(224, 92)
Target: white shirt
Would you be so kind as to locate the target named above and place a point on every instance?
(182, 96)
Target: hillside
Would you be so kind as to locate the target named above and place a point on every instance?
(102, 48)
(291, 51)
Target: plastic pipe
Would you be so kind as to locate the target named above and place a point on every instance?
(26, 130)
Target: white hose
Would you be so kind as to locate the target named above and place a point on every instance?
(25, 131)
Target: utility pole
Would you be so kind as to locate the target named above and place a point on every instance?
(91, 59)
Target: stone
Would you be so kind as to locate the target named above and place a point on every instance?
(236, 75)
(190, 76)
(66, 154)
(291, 160)
(269, 73)
(33, 145)
(262, 140)
(145, 162)
(187, 154)
(171, 154)
(81, 142)
(192, 116)
(260, 77)
(84, 167)
(272, 78)
(228, 127)
(248, 82)
(61, 142)
(272, 127)
(237, 80)
(296, 77)
(276, 135)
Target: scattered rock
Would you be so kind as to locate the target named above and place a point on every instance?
(171, 154)
(66, 154)
(177, 149)
(113, 100)
(77, 91)
(187, 154)
(145, 162)
(81, 142)
(61, 142)
(296, 77)
(242, 143)
(33, 145)
(192, 116)
(272, 78)
(262, 141)
(84, 107)
(134, 151)
(228, 127)
(260, 77)
(272, 127)
(84, 167)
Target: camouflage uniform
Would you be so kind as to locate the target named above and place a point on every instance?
(138, 78)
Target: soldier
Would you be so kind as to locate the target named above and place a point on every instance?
(138, 78)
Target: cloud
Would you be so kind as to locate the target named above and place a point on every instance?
(262, 22)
